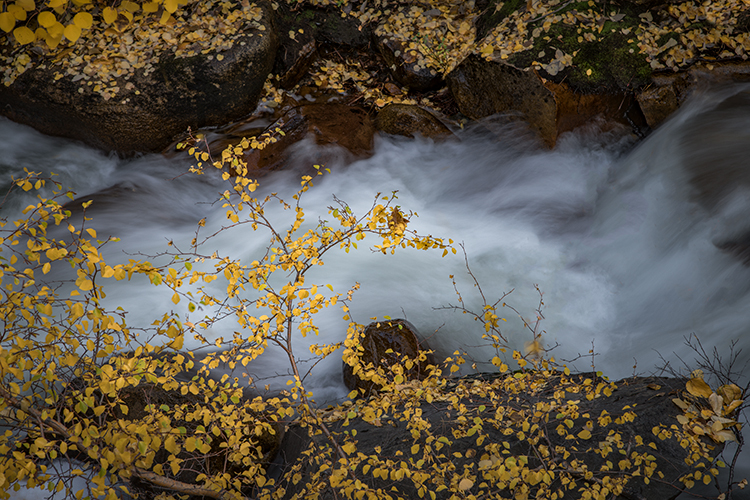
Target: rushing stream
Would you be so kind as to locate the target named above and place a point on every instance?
(623, 241)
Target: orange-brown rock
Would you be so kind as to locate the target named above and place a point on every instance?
(327, 123)
(668, 91)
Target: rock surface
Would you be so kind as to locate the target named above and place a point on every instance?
(405, 69)
(650, 398)
(150, 109)
(482, 88)
(668, 91)
(327, 123)
(383, 344)
(409, 120)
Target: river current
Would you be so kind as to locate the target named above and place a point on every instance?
(635, 247)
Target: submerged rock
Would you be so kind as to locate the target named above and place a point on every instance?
(409, 120)
(336, 124)
(668, 91)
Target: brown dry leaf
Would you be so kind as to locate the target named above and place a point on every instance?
(729, 393)
(716, 403)
(465, 484)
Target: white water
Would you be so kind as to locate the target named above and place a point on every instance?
(624, 255)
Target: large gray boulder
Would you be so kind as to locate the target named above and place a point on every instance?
(154, 104)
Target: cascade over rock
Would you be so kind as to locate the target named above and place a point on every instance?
(483, 88)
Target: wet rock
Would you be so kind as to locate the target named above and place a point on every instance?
(650, 398)
(328, 123)
(408, 120)
(399, 337)
(668, 91)
(663, 97)
(406, 68)
(150, 109)
(482, 88)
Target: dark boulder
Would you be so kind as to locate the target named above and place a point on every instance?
(618, 429)
(326, 25)
(383, 344)
(155, 104)
(408, 69)
(483, 88)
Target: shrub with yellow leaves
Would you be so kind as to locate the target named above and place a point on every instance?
(80, 385)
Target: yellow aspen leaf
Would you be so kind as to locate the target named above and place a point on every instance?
(175, 298)
(46, 267)
(27, 5)
(7, 21)
(72, 32)
(46, 19)
(465, 484)
(56, 30)
(109, 14)
(733, 406)
(86, 285)
(18, 13)
(682, 405)
(150, 7)
(83, 20)
(698, 387)
(170, 6)
(716, 403)
(24, 35)
(130, 6)
(584, 434)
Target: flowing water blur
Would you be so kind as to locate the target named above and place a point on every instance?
(623, 241)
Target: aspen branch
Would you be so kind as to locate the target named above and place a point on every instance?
(144, 474)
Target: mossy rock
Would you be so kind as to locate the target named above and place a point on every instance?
(610, 64)
(326, 25)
